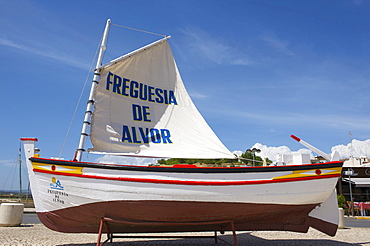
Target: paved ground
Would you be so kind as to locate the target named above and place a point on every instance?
(39, 235)
(356, 232)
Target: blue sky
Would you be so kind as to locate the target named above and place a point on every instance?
(258, 71)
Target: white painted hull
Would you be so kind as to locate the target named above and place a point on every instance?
(93, 187)
(62, 190)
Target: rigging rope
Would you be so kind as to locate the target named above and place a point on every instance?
(139, 30)
(79, 99)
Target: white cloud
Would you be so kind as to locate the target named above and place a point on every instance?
(331, 121)
(277, 44)
(214, 49)
(54, 55)
(237, 152)
(272, 152)
(356, 148)
(197, 95)
(268, 152)
(8, 163)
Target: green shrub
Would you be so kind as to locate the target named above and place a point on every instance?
(341, 201)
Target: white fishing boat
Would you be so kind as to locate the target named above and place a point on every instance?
(138, 106)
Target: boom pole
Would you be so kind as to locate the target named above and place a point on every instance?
(314, 149)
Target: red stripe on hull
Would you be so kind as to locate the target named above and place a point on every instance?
(86, 218)
(190, 182)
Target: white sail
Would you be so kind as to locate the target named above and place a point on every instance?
(143, 109)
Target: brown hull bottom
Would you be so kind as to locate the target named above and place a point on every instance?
(258, 217)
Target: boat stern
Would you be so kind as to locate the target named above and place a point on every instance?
(31, 151)
(325, 217)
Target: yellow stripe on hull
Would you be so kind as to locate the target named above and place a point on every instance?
(57, 168)
(311, 173)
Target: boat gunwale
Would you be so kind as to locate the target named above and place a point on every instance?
(187, 169)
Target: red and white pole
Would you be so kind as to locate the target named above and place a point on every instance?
(314, 149)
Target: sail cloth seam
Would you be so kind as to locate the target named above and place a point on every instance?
(134, 52)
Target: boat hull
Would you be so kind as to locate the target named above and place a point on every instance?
(74, 196)
(137, 216)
